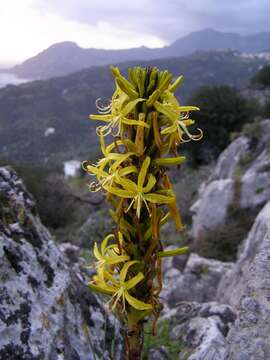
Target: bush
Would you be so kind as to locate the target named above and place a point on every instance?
(55, 203)
(222, 243)
(267, 109)
(223, 110)
(262, 78)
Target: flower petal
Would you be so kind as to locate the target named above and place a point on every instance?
(134, 281)
(143, 172)
(123, 272)
(174, 252)
(158, 199)
(137, 304)
(104, 243)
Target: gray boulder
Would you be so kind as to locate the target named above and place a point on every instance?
(233, 284)
(241, 178)
(247, 288)
(201, 329)
(210, 210)
(255, 183)
(229, 159)
(46, 310)
(197, 282)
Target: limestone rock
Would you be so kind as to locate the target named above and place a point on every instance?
(229, 158)
(46, 310)
(158, 354)
(233, 283)
(197, 282)
(253, 182)
(210, 210)
(201, 329)
(247, 288)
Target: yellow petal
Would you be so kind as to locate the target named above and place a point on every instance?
(130, 106)
(101, 117)
(100, 289)
(176, 83)
(174, 252)
(104, 243)
(169, 161)
(157, 138)
(134, 122)
(150, 184)
(158, 199)
(97, 254)
(116, 259)
(153, 98)
(188, 108)
(169, 130)
(134, 281)
(137, 304)
(127, 184)
(121, 193)
(123, 272)
(143, 172)
(165, 110)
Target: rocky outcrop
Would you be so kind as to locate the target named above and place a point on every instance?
(197, 282)
(247, 288)
(201, 329)
(233, 283)
(241, 178)
(218, 194)
(46, 310)
(255, 183)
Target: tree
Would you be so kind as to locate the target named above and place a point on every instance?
(222, 111)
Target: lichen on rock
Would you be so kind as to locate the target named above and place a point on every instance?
(46, 310)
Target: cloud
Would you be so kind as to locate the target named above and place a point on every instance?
(29, 26)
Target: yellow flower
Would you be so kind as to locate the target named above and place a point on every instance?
(106, 178)
(138, 192)
(108, 254)
(118, 117)
(178, 115)
(119, 289)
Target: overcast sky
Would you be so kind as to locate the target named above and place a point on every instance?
(29, 26)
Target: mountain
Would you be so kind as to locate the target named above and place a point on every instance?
(67, 57)
(47, 121)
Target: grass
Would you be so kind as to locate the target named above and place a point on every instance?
(173, 347)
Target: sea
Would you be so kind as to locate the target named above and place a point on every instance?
(11, 79)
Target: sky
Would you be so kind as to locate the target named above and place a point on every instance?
(30, 26)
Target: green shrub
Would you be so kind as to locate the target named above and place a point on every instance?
(267, 109)
(262, 78)
(223, 111)
(55, 203)
(222, 243)
(162, 338)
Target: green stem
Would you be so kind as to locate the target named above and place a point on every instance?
(134, 337)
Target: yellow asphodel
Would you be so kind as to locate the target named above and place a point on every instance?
(108, 254)
(138, 192)
(117, 118)
(178, 116)
(105, 283)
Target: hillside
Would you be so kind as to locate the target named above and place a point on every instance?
(63, 103)
(67, 57)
